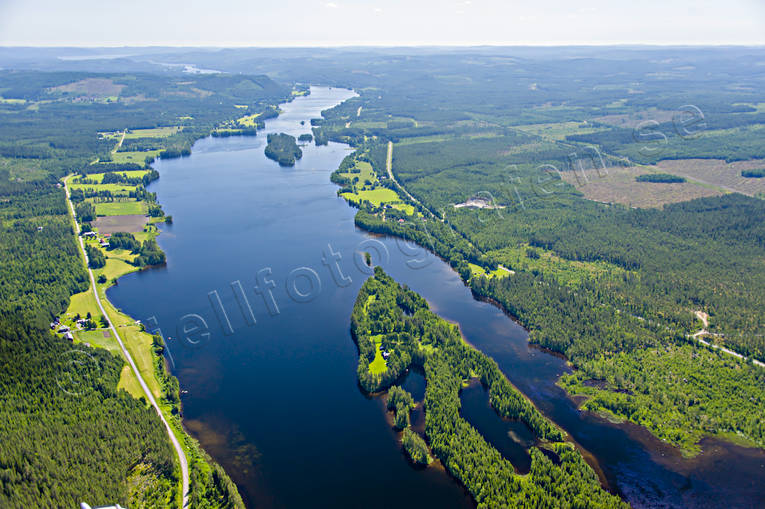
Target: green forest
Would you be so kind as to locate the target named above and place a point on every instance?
(660, 178)
(70, 435)
(615, 289)
(399, 321)
(283, 149)
(492, 151)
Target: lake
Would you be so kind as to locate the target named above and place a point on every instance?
(266, 260)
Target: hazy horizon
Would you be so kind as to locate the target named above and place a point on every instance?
(365, 23)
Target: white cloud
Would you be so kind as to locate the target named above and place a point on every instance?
(331, 5)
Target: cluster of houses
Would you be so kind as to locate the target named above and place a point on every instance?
(62, 329)
(93, 235)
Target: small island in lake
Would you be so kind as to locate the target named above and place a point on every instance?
(283, 149)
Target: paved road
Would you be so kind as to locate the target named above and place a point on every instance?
(149, 396)
(389, 167)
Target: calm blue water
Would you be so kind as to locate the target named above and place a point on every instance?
(276, 401)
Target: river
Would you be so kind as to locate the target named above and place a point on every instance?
(266, 258)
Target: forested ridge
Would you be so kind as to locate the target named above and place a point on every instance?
(69, 435)
(399, 320)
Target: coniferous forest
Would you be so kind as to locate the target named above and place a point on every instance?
(399, 321)
(610, 201)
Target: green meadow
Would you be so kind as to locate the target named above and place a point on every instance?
(120, 208)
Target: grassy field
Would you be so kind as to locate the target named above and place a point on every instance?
(120, 254)
(366, 172)
(374, 193)
(379, 196)
(98, 339)
(120, 208)
(157, 132)
(248, 120)
(378, 365)
(82, 304)
(134, 157)
(477, 270)
(12, 101)
(115, 268)
(138, 343)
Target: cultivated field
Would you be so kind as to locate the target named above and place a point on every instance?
(129, 223)
(120, 208)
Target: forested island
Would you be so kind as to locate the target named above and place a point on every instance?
(283, 149)
(394, 331)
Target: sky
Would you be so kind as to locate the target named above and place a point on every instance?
(379, 22)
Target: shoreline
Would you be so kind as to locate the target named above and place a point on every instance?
(137, 378)
(188, 442)
(675, 457)
(161, 411)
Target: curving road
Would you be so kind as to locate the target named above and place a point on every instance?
(150, 397)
